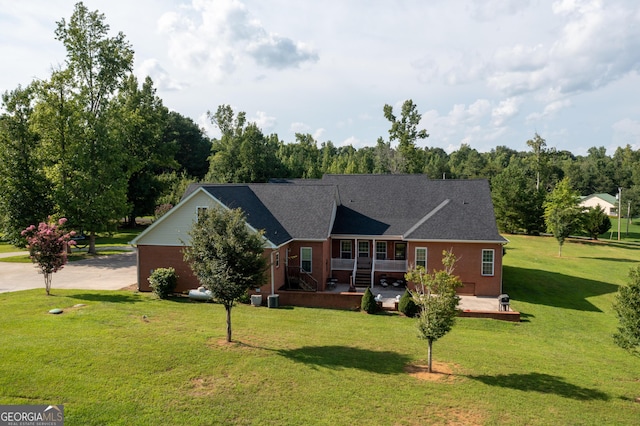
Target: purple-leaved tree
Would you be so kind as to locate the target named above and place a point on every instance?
(48, 244)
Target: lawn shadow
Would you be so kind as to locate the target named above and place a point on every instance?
(107, 297)
(553, 289)
(343, 357)
(542, 383)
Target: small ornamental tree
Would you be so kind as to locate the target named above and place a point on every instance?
(48, 245)
(226, 256)
(627, 307)
(368, 303)
(407, 306)
(435, 295)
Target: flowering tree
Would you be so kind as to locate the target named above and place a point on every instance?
(48, 245)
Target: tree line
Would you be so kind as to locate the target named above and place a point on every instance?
(94, 145)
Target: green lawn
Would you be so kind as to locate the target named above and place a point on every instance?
(127, 358)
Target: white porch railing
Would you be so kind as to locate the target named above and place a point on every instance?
(391, 265)
(342, 264)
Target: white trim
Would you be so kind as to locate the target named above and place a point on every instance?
(426, 254)
(459, 241)
(344, 251)
(310, 271)
(493, 263)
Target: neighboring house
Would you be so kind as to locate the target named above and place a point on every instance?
(608, 202)
(346, 228)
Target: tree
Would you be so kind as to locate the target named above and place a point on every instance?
(368, 302)
(91, 188)
(595, 222)
(405, 131)
(517, 203)
(48, 245)
(435, 294)
(140, 126)
(194, 147)
(562, 212)
(538, 146)
(25, 196)
(627, 307)
(243, 153)
(226, 256)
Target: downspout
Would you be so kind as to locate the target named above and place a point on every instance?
(273, 273)
(373, 263)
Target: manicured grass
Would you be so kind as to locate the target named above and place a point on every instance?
(128, 358)
(74, 256)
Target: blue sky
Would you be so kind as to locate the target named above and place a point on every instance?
(485, 73)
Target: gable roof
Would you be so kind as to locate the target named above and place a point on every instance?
(611, 199)
(409, 207)
(285, 212)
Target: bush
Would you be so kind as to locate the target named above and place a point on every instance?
(163, 282)
(369, 304)
(407, 306)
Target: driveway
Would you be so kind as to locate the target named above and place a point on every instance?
(111, 272)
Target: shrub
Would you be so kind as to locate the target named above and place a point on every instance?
(407, 306)
(369, 304)
(163, 282)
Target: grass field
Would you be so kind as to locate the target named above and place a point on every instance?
(129, 359)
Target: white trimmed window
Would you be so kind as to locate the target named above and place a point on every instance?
(345, 249)
(488, 261)
(200, 211)
(305, 258)
(421, 257)
(277, 259)
(381, 250)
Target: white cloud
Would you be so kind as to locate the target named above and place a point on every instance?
(221, 35)
(507, 109)
(626, 132)
(264, 122)
(299, 127)
(161, 78)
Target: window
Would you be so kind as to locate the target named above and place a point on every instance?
(363, 248)
(305, 259)
(487, 262)
(277, 259)
(200, 211)
(401, 251)
(421, 257)
(381, 250)
(345, 249)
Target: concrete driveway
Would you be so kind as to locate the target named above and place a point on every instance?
(111, 272)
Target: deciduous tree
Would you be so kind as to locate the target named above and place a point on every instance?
(92, 187)
(405, 131)
(25, 197)
(226, 256)
(595, 222)
(435, 294)
(562, 212)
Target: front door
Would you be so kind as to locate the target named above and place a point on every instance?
(363, 248)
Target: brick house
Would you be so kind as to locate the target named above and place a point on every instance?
(346, 229)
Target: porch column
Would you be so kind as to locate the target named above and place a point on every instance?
(373, 262)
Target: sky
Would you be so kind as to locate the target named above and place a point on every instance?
(486, 73)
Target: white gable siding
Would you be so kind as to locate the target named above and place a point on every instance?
(174, 227)
(609, 208)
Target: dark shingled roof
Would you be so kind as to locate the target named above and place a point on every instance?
(411, 207)
(285, 212)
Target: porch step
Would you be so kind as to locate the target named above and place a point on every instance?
(363, 279)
